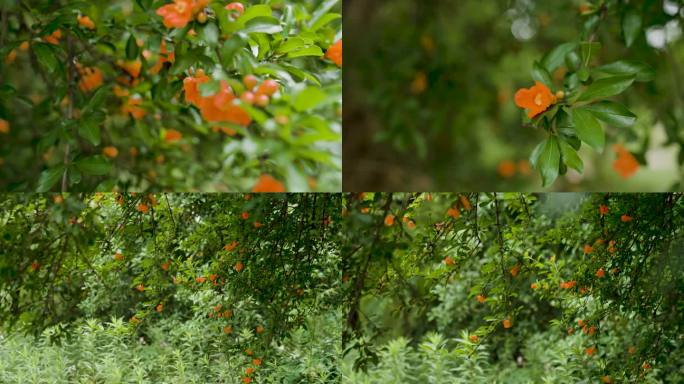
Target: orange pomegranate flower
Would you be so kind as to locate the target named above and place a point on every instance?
(177, 14)
(4, 126)
(165, 265)
(200, 279)
(626, 218)
(603, 210)
(245, 215)
(86, 22)
(389, 220)
(449, 261)
(600, 273)
(268, 183)
(590, 351)
(259, 329)
(54, 37)
(334, 53)
(625, 164)
(110, 151)
(231, 246)
(246, 380)
(480, 299)
(140, 287)
(473, 338)
(506, 169)
(454, 213)
(142, 207)
(465, 202)
(191, 87)
(588, 249)
(534, 286)
(238, 267)
(132, 107)
(91, 78)
(507, 323)
(132, 67)
(171, 136)
(11, 56)
(514, 271)
(160, 307)
(536, 99)
(164, 57)
(568, 284)
(227, 329)
(216, 108)
(249, 370)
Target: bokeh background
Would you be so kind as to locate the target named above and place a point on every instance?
(429, 91)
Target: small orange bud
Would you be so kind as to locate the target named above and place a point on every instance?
(389, 220)
(507, 323)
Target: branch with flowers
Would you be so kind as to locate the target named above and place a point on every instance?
(181, 95)
(581, 105)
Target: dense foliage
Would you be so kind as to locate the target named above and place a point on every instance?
(243, 285)
(179, 95)
(437, 92)
(513, 288)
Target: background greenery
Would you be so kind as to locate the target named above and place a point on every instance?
(429, 102)
(432, 282)
(169, 288)
(60, 137)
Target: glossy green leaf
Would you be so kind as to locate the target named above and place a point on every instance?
(612, 113)
(556, 57)
(308, 99)
(49, 177)
(642, 71)
(631, 27)
(95, 165)
(606, 87)
(548, 161)
(588, 128)
(570, 156)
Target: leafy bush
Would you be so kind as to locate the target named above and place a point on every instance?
(173, 352)
(504, 287)
(178, 95)
(224, 288)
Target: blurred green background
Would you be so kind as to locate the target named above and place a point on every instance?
(429, 91)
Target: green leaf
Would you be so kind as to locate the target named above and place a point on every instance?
(548, 161)
(211, 34)
(291, 44)
(588, 50)
(268, 25)
(540, 74)
(606, 87)
(255, 11)
(556, 57)
(49, 177)
(45, 56)
(132, 49)
(588, 128)
(642, 71)
(325, 19)
(300, 74)
(313, 50)
(95, 165)
(631, 26)
(612, 113)
(308, 99)
(90, 131)
(96, 99)
(571, 157)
